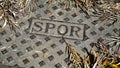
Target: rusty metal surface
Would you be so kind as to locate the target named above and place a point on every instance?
(41, 46)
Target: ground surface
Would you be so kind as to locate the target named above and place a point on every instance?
(40, 49)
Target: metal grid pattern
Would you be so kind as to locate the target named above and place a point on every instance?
(23, 49)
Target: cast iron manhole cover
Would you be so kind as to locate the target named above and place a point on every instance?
(38, 44)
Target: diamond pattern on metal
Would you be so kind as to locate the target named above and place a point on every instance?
(30, 50)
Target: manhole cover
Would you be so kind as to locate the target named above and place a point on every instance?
(38, 44)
